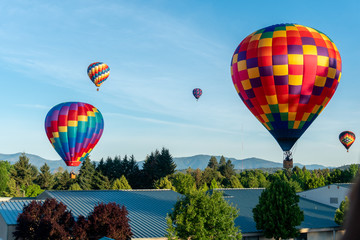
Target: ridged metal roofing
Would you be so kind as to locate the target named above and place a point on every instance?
(10, 210)
(316, 215)
(147, 208)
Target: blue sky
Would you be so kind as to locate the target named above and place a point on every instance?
(158, 51)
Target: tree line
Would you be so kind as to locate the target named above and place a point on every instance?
(157, 172)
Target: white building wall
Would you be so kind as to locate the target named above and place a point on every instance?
(3, 229)
(323, 194)
(320, 236)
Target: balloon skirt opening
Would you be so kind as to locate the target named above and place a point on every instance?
(73, 164)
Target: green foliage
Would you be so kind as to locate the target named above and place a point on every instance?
(33, 190)
(214, 184)
(63, 181)
(235, 182)
(340, 213)
(100, 182)
(4, 177)
(120, 183)
(86, 174)
(23, 172)
(45, 179)
(75, 187)
(164, 183)
(183, 183)
(13, 190)
(277, 212)
(213, 163)
(200, 215)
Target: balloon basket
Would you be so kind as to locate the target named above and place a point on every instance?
(288, 160)
(97, 89)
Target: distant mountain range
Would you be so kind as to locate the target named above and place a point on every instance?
(197, 161)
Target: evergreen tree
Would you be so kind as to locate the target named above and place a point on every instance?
(164, 183)
(120, 183)
(13, 190)
(213, 163)
(63, 181)
(340, 213)
(100, 182)
(277, 212)
(214, 184)
(101, 167)
(150, 169)
(117, 169)
(4, 177)
(86, 174)
(235, 182)
(133, 174)
(75, 187)
(45, 179)
(166, 163)
(23, 172)
(200, 216)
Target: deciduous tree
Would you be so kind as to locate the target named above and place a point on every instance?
(202, 215)
(277, 212)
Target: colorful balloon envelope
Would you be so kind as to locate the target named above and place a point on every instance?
(74, 128)
(197, 93)
(98, 72)
(286, 74)
(347, 139)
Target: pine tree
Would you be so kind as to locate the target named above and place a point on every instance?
(213, 163)
(214, 184)
(75, 187)
(13, 190)
(100, 182)
(86, 174)
(150, 169)
(133, 174)
(23, 172)
(166, 163)
(183, 183)
(45, 179)
(4, 177)
(277, 212)
(120, 183)
(63, 181)
(164, 183)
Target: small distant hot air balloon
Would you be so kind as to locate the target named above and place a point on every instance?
(74, 128)
(347, 138)
(98, 72)
(197, 93)
(286, 74)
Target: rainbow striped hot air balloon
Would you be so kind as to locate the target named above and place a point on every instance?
(98, 72)
(74, 128)
(347, 139)
(286, 74)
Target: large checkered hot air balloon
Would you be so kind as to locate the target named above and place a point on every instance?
(347, 138)
(74, 128)
(286, 74)
(98, 72)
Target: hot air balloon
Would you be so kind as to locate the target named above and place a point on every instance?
(286, 74)
(197, 93)
(347, 138)
(74, 128)
(98, 72)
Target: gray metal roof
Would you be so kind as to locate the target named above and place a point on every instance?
(10, 210)
(316, 215)
(147, 208)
